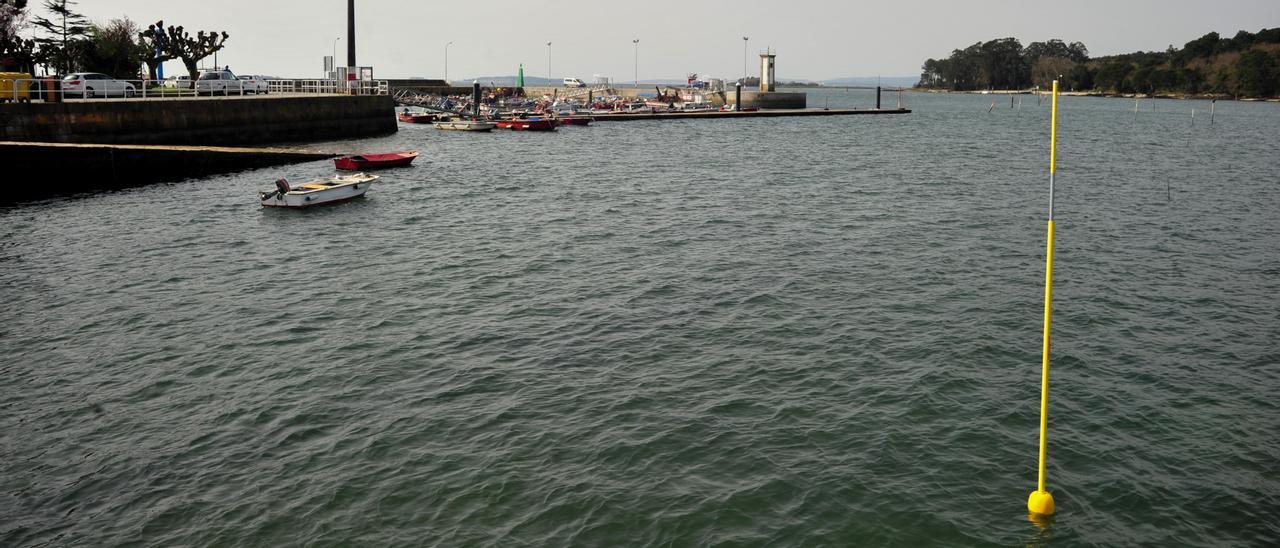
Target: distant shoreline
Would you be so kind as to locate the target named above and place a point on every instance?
(1198, 96)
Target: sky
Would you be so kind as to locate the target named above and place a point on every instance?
(813, 39)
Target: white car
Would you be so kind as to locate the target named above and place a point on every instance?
(180, 81)
(93, 84)
(254, 84)
(219, 82)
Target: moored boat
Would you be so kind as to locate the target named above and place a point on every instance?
(465, 125)
(576, 120)
(528, 124)
(313, 193)
(374, 161)
(418, 117)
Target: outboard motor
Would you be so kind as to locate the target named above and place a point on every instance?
(282, 186)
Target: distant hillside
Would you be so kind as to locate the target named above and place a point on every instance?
(887, 81)
(1246, 65)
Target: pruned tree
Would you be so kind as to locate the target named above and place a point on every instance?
(190, 49)
(156, 43)
(66, 28)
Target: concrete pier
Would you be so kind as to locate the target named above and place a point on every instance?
(748, 114)
(40, 170)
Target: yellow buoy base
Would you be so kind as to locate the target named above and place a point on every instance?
(1040, 502)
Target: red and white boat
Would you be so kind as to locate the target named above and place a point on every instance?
(529, 124)
(361, 162)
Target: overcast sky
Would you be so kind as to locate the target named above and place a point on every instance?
(814, 39)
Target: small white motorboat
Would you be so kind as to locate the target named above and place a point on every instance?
(466, 125)
(313, 193)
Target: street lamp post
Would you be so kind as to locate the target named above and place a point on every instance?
(745, 62)
(636, 43)
(446, 62)
(333, 63)
(548, 63)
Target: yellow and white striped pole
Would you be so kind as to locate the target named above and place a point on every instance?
(1041, 502)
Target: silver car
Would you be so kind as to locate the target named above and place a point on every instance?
(219, 82)
(254, 83)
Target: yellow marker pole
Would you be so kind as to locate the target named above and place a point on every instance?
(1041, 502)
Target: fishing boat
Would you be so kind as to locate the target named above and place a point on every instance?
(361, 162)
(313, 193)
(465, 125)
(418, 117)
(528, 124)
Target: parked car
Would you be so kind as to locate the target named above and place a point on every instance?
(574, 83)
(219, 82)
(181, 81)
(254, 83)
(93, 84)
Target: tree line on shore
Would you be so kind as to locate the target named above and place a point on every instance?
(1246, 65)
(63, 41)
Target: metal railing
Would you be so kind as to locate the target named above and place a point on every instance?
(52, 89)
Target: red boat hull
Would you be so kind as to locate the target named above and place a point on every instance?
(536, 124)
(362, 162)
(572, 121)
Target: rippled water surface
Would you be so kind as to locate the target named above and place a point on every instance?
(794, 331)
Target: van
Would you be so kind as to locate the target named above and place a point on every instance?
(574, 83)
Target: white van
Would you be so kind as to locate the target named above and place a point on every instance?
(574, 83)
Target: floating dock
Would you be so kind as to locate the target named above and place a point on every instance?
(745, 114)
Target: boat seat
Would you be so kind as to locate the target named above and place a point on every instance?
(314, 186)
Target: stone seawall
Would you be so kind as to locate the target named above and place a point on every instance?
(234, 121)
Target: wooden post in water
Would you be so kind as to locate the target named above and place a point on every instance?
(1212, 104)
(877, 97)
(1040, 503)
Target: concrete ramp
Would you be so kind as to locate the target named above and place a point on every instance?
(41, 170)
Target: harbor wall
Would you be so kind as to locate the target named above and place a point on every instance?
(232, 121)
(434, 87)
